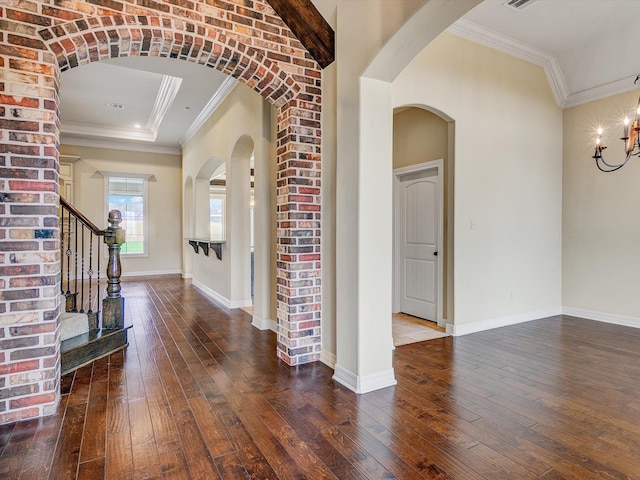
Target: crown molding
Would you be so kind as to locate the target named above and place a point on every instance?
(214, 102)
(123, 145)
(166, 95)
(601, 91)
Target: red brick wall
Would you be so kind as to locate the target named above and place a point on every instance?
(38, 39)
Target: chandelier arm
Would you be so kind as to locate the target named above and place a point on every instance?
(608, 171)
(616, 165)
(611, 168)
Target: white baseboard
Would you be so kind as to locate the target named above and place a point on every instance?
(221, 299)
(240, 303)
(186, 276)
(261, 324)
(215, 296)
(364, 384)
(328, 358)
(613, 318)
(474, 327)
(152, 273)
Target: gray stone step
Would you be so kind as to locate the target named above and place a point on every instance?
(73, 324)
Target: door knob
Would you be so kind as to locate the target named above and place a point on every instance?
(435, 254)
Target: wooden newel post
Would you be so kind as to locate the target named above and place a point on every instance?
(113, 304)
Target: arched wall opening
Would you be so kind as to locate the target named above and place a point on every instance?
(238, 210)
(423, 134)
(50, 43)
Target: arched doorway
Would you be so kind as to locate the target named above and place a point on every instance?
(78, 33)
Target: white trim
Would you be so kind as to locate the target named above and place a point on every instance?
(261, 324)
(481, 326)
(115, 145)
(328, 358)
(241, 303)
(613, 318)
(398, 173)
(601, 91)
(151, 273)
(214, 102)
(143, 176)
(215, 296)
(139, 134)
(166, 95)
(364, 384)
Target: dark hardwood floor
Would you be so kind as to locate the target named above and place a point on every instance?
(199, 394)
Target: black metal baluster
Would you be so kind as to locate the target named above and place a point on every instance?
(82, 271)
(98, 284)
(90, 271)
(75, 267)
(68, 252)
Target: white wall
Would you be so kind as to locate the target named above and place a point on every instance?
(243, 119)
(601, 227)
(508, 177)
(164, 201)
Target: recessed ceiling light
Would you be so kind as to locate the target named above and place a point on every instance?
(119, 106)
(137, 125)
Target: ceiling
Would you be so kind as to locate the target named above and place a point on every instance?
(586, 48)
(138, 103)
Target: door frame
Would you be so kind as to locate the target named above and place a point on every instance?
(398, 174)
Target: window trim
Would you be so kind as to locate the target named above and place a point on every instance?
(145, 226)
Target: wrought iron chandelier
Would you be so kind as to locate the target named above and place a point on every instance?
(630, 138)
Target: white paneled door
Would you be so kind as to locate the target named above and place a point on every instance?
(417, 237)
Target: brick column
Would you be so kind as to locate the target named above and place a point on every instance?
(29, 246)
(298, 224)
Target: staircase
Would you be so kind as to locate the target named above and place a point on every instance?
(86, 332)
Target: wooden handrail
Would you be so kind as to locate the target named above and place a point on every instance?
(84, 220)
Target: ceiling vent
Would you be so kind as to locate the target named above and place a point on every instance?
(519, 4)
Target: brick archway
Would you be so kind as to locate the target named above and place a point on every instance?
(84, 41)
(246, 41)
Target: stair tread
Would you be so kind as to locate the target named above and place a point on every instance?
(86, 338)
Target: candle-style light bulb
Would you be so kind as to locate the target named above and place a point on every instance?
(599, 130)
(598, 141)
(626, 128)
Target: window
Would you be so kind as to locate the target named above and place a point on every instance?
(129, 196)
(216, 216)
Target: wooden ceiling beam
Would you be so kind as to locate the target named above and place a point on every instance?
(309, 26)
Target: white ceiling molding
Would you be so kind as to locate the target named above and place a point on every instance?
(111, 145)
(166, 95)
(601, 91)
(167, 92)
(484, 36)
(139, 134)
(214, 102)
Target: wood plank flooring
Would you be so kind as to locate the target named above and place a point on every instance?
(199, 394)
